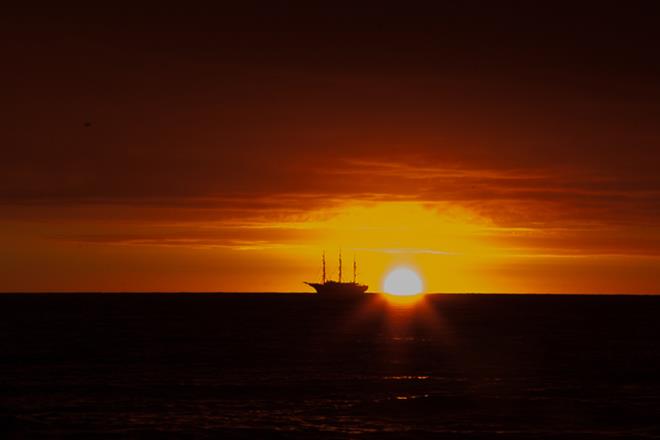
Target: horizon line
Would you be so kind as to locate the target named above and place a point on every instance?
(221, 292)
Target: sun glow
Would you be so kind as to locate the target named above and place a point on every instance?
(403, 281)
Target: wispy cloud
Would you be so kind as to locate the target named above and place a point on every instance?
(405, 251)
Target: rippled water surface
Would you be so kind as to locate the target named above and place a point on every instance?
(292, 365)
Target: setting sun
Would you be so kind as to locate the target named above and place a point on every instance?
(403, 281)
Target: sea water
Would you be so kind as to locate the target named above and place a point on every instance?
(304, 366)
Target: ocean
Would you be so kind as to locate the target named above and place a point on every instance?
(302, 366)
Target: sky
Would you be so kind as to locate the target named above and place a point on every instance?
(492, 148)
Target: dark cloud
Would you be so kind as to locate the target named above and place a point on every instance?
(528, 114)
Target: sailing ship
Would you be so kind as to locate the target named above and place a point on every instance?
(338, 288)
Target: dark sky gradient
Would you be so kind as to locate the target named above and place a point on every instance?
(531, 116)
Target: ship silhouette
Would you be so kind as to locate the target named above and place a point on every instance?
(338, 288)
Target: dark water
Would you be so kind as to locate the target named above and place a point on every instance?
(251, 366)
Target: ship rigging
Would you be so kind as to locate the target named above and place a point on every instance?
(338, 287)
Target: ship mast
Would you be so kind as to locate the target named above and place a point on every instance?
(354, 269)
(339, 266)
(323, 259)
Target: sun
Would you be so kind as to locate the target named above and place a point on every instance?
(403, 281)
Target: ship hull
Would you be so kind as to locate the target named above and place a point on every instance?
(339, 289)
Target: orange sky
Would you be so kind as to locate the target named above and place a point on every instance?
(494, 150)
